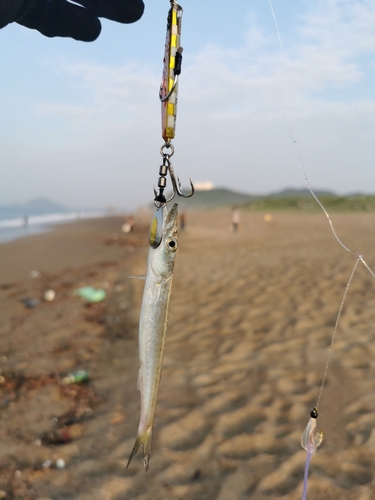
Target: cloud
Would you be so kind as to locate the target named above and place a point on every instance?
(247, 81)
(346, 26)
(231, 125)
(123, 92)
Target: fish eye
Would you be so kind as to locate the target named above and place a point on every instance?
(171, 244)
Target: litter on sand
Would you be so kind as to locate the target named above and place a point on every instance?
(91, 294)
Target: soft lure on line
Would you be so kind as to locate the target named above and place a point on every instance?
(310, 443)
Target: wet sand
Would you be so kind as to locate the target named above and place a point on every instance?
(251, 320)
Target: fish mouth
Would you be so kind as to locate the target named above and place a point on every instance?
(171, 220)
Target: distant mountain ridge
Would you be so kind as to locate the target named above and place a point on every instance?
(220, 197)
(303, 192)
(36, 207)
(42, 204)
(212, 198)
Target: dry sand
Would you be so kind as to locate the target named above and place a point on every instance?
(252, 315)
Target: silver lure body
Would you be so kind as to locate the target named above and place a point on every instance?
(153, 327)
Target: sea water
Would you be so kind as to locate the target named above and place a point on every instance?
(16, 222)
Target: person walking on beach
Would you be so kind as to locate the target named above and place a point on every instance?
(65, 19)
(128, 226)
(236, 217)
(182, 220)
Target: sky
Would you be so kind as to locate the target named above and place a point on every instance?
(80, 121)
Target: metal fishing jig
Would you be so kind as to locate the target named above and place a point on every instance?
(171, 71)
(168, 97)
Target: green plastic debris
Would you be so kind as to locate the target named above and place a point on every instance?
(91, 294)
(76, 377)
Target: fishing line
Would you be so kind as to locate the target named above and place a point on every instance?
(296, 146)
(335, 330)
(357, 255)
(309, 441)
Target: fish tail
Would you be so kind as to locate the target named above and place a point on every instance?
(143, 439)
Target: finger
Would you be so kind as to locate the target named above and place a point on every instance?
(61, 18)
(8, 11)
(122, 11)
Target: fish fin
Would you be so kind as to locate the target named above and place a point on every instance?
(143, 439)
(142, 277)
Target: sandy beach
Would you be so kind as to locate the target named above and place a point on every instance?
(251, 320)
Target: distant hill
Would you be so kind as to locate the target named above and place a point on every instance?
(221, 197)
(289, 199)
(306, 203)
(42, 204)
(35, 207)
(292, 192)
(213, 198)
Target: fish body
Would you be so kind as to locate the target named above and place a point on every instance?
(153, 325)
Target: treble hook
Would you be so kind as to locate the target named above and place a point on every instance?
(177, 185)
(166, 167)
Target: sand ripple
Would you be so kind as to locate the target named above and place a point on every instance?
(251, 320)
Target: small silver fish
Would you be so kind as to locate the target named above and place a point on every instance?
(154, 320)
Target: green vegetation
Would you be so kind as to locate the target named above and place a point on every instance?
(287, 200)
(213, 198)
(332, 203)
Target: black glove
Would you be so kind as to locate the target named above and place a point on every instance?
(62, 18)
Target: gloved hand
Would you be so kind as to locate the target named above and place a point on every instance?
(62, 18)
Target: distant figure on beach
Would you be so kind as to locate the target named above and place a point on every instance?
(236, 217)
(129, 225)
(182, 220)
(65, 19)
(268, 217)
(26, 220)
